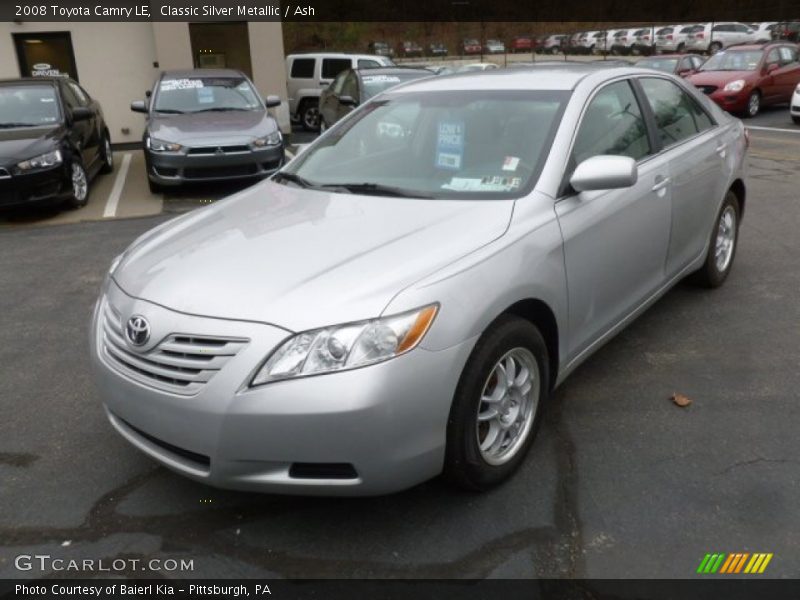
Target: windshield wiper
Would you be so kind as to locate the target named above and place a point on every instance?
(220, 109)
(9, 125)
(377, 189)
(171, 111)
(296, 179)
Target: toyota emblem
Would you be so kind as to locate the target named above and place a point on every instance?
(137, 330)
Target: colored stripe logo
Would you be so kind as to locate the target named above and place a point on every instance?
(735, 562)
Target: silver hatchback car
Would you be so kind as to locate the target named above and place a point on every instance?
(400, 300)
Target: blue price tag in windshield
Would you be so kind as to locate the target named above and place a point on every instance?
(450, 145)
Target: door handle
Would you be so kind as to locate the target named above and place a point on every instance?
(721, 149)
(661, 183)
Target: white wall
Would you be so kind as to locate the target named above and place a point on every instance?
(114, 62)
(269, 66)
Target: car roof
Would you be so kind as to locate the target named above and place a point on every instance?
(541, 77)
(333, 55)
(392, 70)
(182, 73)
(756, 47)
(50, 80)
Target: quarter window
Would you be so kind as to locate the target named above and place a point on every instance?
(677, 116)
(612, 124)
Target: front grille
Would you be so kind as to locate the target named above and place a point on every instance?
(218, 150)
(180, 363)
(200, 459)
(708, 89)
(213, 172)
(322, 471)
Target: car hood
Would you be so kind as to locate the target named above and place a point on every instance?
(302, 259)
(719, 78)
(212, 127)
(19, 144)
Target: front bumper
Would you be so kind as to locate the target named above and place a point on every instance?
(386, 421)
(168, 168)
(30, 188)
(732, 102)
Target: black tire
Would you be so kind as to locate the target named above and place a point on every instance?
(79, 195)
(681, 48)
(796, 120)
(106, 155)
(155, 188)
(464, 464)
(753, 104)
(309, 115)
(710, 275)
(714, 48)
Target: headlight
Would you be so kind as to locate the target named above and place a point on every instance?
(273, 139)
(43, 161)
(734, 86)
(161, 146)
(347, 346)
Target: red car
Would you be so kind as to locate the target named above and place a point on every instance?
(742, 79)
(471, 46)
(522, 43)
(682, 65)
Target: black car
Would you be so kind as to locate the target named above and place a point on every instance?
(53, 141)
(437, 49)
(355, 86)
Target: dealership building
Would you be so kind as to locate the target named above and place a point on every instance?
(118, 62)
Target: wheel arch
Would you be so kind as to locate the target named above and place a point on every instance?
(739, 190)
(542, 316)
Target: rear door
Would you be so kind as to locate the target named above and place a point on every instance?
(331, 67)
(615, 241)
(691, 143)
(301, 76)
(329, 100)
(788, 74)
(82, 133)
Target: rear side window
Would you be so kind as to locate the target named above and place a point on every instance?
(677, 115)
(331, 67)
(612, 124)
(788, 55)
(303, 68)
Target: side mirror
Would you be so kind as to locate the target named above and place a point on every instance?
(604, 172)
(772, 67)
(272, 101)
(139, 106)
(81, 113)
(347, 101)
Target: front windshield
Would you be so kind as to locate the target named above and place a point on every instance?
(661, 64)
(203, 94)
(28, 106)
(444, 144)
(733, 60)
(372, 85)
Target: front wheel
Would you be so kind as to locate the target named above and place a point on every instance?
(106, 155)
(497, 405)
(714, 48)
(79, 195)
(722, 245)
(309, 115)
(753, 104)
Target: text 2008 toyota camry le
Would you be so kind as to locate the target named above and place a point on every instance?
(400, 300)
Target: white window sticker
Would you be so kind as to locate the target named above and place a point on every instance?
(379, 78)
(510, 163)
(450, 145)
(205, 95)
(180, 84)
(485, 184)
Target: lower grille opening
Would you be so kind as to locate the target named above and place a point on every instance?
(322, 471)
(166, 171)
(229, 171)
(194, 457)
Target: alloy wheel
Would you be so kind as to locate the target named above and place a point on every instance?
(726, 239)
(109, 154)
(754, 104)
(508, 406)
(80, 183)
(311, 117)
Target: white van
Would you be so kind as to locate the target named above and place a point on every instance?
(308, 74)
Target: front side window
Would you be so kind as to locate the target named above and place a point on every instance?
(303, 68)
(375, 84)
(733, 60)
(331, 67)
(612, 124)
(677, 116)
(364, 63)
(661, 64)
(80, 95)
(481, 144)
(28, 106)
(205, 94)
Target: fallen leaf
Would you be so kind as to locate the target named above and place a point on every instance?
(681, 400)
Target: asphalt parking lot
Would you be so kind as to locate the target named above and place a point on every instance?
(620, 482)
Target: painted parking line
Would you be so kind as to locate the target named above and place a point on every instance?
(759, 128)
(289, 153)
(119, 184)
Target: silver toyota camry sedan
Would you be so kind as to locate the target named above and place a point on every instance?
(400, 300)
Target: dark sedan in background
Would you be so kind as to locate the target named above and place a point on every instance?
(53, 141)
(355, 86)
(208, 125)
(681, 65)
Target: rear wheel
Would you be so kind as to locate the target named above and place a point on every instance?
(714, 48)
(497, 405)
(722, 245)
(106, 155)
(796, 120)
